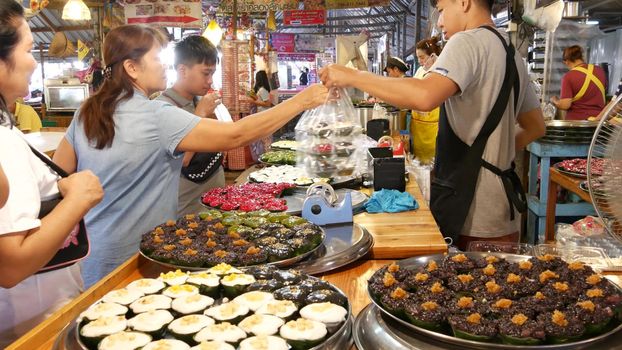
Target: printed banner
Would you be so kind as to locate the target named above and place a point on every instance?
(343, 4)
(83, 50)
(185, 14)
(246, 6)
(308, 57)
(304, 17)
(283, 42)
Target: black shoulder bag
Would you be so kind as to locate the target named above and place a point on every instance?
(76, 247)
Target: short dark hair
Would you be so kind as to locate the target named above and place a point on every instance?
(573, 53)
(195, 49)
(486, 3)
(10, 14)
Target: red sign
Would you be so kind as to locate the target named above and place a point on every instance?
(304, 17)
(283, 42)
(308, 57)
(158, 19)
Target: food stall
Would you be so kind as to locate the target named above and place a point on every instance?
(374, 281)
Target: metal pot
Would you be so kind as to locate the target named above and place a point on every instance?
(364, 115)
(397, 120)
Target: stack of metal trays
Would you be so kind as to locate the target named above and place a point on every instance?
(569, 131)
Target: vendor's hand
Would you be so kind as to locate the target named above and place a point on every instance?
(312, 96)
(83, 187)
(335, 75)
(554, 99)
(207, 104)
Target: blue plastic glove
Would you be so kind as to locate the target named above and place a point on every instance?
(391, 201)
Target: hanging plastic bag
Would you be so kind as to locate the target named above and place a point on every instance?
(326, 135)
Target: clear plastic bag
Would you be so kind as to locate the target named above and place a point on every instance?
(326, 137)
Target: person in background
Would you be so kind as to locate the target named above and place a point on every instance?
(468, 201)
(261, 97)
(27, 242)
(424, 125)
(136, 145)
(583, 87)
(195, 63)
(396, 68)
(27, 119)
(304, 76)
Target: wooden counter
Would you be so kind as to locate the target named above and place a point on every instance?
(396, 236)
(45, 141)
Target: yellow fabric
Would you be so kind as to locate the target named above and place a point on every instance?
(424, 128)
(27, 118)
(589, 77)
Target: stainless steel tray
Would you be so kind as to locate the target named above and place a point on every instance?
(296, 199)
(413, 263)
(572, 123)
(373, 330)
(282, 263)
(344, 244)
(342, 339)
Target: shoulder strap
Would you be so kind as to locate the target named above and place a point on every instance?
(510, 81)
(49, 162)
(589, 77)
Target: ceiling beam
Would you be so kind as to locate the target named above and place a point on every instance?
(62, 29)
(347, 18)
(360, 25)
(47, 22)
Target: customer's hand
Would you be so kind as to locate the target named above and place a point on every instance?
(335, 75)
(207, 105)
(83, 187)
(312, 96)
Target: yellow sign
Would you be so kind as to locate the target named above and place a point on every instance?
(262, 6)
(83, 50)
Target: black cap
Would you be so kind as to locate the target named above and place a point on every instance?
(397, 63)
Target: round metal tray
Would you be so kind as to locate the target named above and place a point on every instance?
(570, 173)
(572, 123)
(282, 263)
(344, 244)
(413, 263)
(68, 338)
(374, 330)
(335, 182)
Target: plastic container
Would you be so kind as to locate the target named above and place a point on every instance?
(593, 256)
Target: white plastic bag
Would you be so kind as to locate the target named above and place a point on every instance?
(326, 135)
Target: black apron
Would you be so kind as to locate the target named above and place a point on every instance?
(457, 164)
(202, 165)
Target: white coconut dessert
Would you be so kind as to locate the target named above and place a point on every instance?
(168, 344)
(228, 312)
(150, 303)
(185, 327)
(124, 340)
(213, 345)
(181, 290)
(93, 332)
(208, 283)
(174, 278)
(191, 304)
(147, 285)
(223, 332)
(261, 324)
(236, 284)
(255, 299)
(122, 296)
(223, 269)
(280, 308)
(303, 333)
(102, 310)
(153, 322)
(327, 313)
(269, 342)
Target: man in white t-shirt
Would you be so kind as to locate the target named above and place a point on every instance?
(4, 188)
(467, 78)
